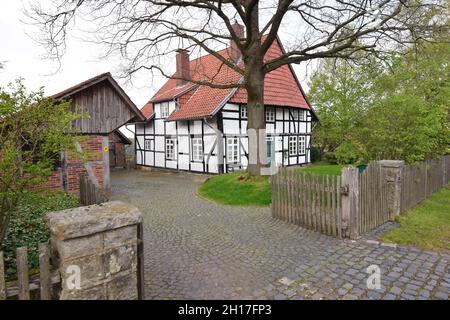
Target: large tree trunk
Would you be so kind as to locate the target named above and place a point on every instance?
(256, 126)
(254, 84)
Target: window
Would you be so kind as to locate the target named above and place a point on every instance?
(293, 145)
(269, 145)
(295, 114)
(301, 145)
(232, 150)
(244, 114)
(170, 149)
(302, 115)
(270, 115)
(164, 106)
(148, 144)
(197, 149)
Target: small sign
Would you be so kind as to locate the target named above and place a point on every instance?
(105, 149)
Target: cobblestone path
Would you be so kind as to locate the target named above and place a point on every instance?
(196, 249)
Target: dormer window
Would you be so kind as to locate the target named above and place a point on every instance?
(164, 107)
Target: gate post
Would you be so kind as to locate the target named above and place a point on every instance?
(391, 175)
(97, 251)
(350, 202)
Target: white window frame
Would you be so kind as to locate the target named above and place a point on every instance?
(197, 149)
(244, 112)
(293, 147)
(233, 154)
(302, 115)
(302, 144)
(270, 114)
(147, 144)
(164, 109)
(295, 115)
(170, 149)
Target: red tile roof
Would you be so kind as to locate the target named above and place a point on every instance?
(147, 110)
(281, 88)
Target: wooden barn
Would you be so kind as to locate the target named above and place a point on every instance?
(108, 108)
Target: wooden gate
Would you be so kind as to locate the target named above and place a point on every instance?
(373, 195)
(89, 192)
(311, 201)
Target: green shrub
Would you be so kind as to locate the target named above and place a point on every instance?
(330, 157)
(315, 154)
(347, 153)
(28, 227)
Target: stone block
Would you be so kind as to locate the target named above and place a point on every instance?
(84, 221)
(119, 237)
(119, 259)
(91, 270)
(79, 247)
(123, 287)
(94, 293)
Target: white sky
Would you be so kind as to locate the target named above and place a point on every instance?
(23, 58)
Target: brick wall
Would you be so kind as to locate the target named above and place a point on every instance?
(93, 148)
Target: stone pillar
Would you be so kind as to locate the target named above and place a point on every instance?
(350, 202)
(391, 173)
(96, 249)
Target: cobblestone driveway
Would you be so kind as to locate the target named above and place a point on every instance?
(195, 249)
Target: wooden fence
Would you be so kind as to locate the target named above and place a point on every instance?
(89, 192)
(365, 200)
(41, 285)
(312, 201)
(373, 199)
(421, 180)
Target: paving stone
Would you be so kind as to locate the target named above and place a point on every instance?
(442, 295)
(195, 249)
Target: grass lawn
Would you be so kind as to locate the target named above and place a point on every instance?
(427, 225)
(238, 188)
(323, 168)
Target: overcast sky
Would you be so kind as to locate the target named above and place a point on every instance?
(23, 57)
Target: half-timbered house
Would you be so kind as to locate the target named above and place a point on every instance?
(203, 129)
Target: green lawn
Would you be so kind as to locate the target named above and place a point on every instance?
(239, 189)
(427, 225)
(323, 168)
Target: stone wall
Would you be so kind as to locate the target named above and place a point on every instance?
(96, 250)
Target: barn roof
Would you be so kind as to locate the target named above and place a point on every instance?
(281, 88)
(67, 93)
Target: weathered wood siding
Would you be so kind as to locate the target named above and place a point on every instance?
(107, 110)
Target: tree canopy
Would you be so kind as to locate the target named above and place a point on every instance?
(145, 32)
(33, 132)
(398, 110)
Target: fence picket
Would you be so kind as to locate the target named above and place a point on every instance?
(44, 271)
(22, 273)
(2, 278)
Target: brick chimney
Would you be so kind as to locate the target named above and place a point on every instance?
(183, 68)
(239, 30)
